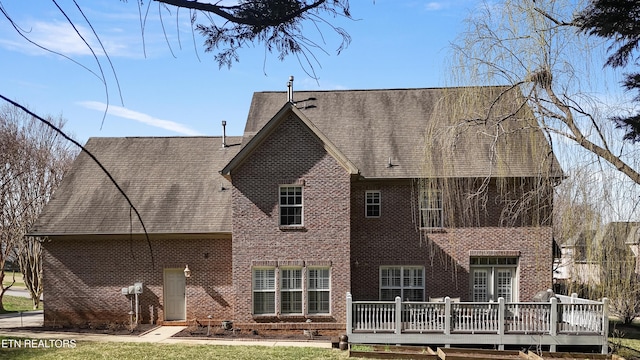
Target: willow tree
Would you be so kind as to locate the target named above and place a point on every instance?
(536, 52)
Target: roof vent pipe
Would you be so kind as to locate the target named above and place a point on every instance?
(224, 134)
(290, 89)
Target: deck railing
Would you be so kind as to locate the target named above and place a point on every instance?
(558, 318)
(579, 315)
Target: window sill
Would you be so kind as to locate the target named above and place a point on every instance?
(292, 317)
(320, 316)
(264, 316)
(292, 228)
(298, 317)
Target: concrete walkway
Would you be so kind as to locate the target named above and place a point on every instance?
(17, 320)
(20, 292)
(11, 326)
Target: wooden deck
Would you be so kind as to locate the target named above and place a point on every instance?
(422, 352)
(564, 320)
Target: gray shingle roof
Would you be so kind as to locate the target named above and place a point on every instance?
(172, 181)
(176, 186)
(373, 128)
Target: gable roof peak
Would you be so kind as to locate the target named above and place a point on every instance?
(254, 140)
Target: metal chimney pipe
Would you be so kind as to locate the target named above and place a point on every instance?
(224, 134)
(290, 89)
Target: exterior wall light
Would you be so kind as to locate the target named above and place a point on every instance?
(187, 271)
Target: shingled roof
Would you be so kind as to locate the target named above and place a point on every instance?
(172, 181)
(395, 133)
(175, 183)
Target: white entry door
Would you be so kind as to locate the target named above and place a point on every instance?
(174, 295)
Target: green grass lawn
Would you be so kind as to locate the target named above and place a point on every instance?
(16, 304)
(108, 350)
(624, 340)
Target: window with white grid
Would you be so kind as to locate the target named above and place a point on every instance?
(407, 282)
(318, 290)
(493, 278)
(431, 212)
(291, 205)
(291, 291)
(372, 204)
(264, 291)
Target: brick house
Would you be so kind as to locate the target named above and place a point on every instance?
(321, 196)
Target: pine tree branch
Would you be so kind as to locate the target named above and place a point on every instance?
(225, 13)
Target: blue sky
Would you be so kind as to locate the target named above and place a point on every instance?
(178, 89)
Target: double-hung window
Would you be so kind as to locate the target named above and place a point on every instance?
(407, 282)
(431, 213)
(318, 290)
(291, 209)
(372, 204)
(264, 291)
(291, 291)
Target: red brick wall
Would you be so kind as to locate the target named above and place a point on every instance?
(291, 154)
(83, 278)
(394, 239)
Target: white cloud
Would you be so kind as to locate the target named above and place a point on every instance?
(433, 6)
(125, 113)
(61, 37)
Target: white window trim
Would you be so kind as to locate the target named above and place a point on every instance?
(492, 278)
(366, 204)
(278, 289)
(295, 290)
(254, 291)
(401, 287)
(301, 205)
(440, 210)
(308, 290)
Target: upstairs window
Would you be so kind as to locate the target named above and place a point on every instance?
(291, 205)
(431, 213)
(372, 204)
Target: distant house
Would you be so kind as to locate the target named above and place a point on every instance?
(328, 193)
(585, 259)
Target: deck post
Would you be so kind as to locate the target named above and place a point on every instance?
(447, 316)
(398, 315)
(553, 321)
(605, 325)
(349, 314)
(501, 319)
